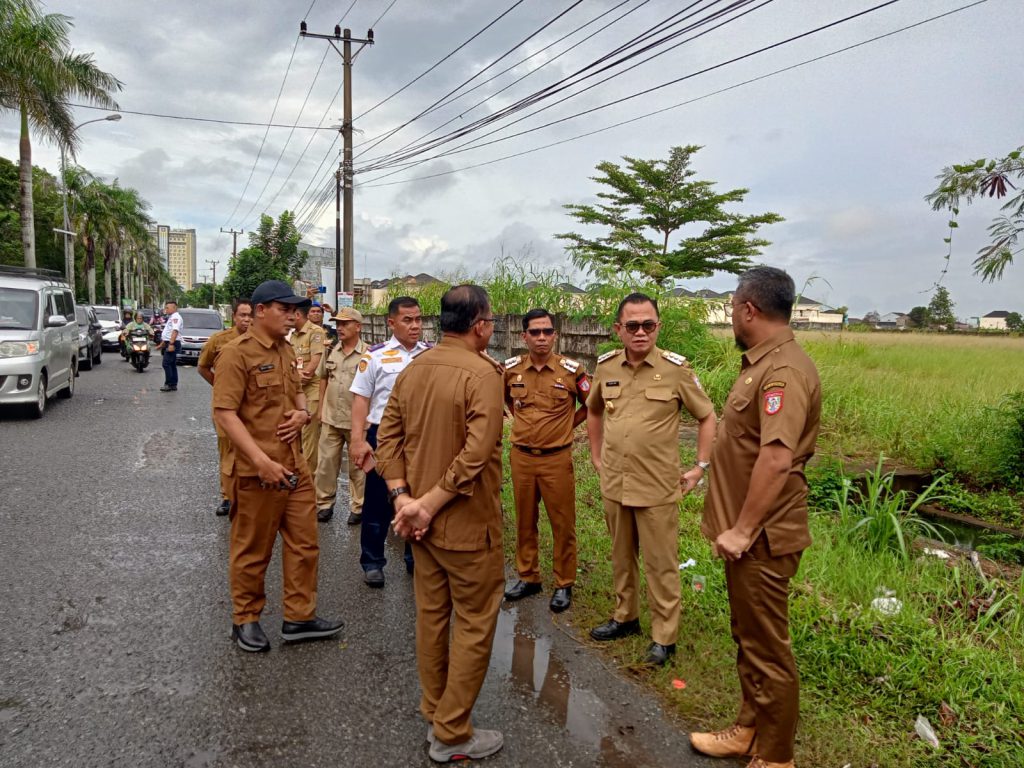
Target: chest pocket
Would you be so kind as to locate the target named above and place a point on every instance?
(659, 394)
(558, 394)
(611, 395)
(737, 411)
(269, 385)
(519, 392)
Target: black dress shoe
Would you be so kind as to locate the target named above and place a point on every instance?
(323, 515)
(224, 508)
(374, 578)
(314, 629)
(250, 637)
(658, 654)
(612, 629)
(562, 599)
(522, 589)
(354, 518)
(166, 388)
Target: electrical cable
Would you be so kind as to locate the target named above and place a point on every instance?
(372, 26)
(193, 118)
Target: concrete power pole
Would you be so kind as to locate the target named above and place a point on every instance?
(234, 239)
(344, 176)
(213, 282)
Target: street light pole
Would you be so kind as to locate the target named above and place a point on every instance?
(69, 249)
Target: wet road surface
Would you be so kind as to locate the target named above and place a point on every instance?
(113, 571)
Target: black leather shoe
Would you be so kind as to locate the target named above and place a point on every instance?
(374, 578)
(323, 515)
(522, 589)
(612, 629)
(562, 599)
(224, 508)
(354, 518)
(314, 629)
(658, 654)
(250, 637)
(165, 388)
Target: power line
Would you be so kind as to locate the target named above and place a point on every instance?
(372, 26)
(373, 182)
(193, 118)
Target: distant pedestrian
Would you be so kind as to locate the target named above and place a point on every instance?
(439, 450)
(241, 317)
(755, 514)
(170, 345)
(308, 342)
(258, 402)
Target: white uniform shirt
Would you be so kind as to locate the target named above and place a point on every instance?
(378, 368)
(173, 324)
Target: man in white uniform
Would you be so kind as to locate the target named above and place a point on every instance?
(170, 343)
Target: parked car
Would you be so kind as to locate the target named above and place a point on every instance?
(90, 338)
(38, 338)
(111, 320)
(198, 325)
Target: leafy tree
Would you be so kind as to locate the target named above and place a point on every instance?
(199, 295)
(1014, 322)
(920, 317)
(280, 242)
(250, 267)
(39, 75)
(872, 317)
(940, 309)
(647, 203)
(987, 177)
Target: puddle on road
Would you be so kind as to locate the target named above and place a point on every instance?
(526, 659)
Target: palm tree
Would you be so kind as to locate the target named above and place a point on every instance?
(127, 224)
(39, 75)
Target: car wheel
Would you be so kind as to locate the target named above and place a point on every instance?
(99, 356)
(86, 364)
(38, 408)
(68, 392)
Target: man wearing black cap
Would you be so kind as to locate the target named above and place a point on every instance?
(258, 402)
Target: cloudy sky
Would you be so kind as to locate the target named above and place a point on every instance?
(844, 148)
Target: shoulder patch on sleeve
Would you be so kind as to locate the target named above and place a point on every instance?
(673, 358)
(570, 365)
(375, 347)
(318, 338)
(513, 361)
(608, 355)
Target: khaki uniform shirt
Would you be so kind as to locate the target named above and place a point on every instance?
(208, 357)
(543, 402)
(776, 397)
(641, 407)
(256, 378)
(442, 426)
(338, 371)
(307, 342)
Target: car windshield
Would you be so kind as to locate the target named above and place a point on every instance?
(200, 321)
(107, 313)
(18, 309)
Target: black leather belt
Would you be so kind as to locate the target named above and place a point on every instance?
(540, 451)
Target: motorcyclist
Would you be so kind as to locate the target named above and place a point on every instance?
(136, 324)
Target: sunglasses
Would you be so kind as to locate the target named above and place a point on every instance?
(535, 332)
(632, 326)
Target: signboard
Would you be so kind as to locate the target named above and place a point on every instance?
(345, 300)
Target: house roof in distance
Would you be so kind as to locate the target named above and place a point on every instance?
(998, 313)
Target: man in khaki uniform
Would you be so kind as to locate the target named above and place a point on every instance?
(258, 402)
(439, 451)
(542, 389)
(241, 317)
(338, 371)
(755, 513)
(308, 343)
(633, 424)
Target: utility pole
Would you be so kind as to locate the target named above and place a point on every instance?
(345, 173)
(234, 239)
(213, 283)
(337, 235)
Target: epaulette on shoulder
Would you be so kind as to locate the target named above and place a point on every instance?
(570, 365)
(375, 347)
(673, 358)
(500, 368)
(608, 355)
(513, 361)
(419, 351)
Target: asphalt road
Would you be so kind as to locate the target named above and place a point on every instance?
(117, 653)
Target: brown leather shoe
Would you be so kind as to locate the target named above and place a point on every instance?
(757, 762)
(735, 741)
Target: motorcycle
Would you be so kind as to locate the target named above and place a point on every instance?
(138, 345)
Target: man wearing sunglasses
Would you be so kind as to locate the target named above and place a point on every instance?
(542, 390)
(755, 514)
(633, 424)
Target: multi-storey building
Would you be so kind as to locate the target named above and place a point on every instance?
(177, 252)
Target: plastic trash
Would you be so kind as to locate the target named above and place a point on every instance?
(688, 564)
(939, 553)
(678, 684)
(887, 606)
(925, 731)
(699, 583)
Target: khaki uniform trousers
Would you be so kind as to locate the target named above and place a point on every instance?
(257, 516)
(653, 532)
(333, 441)
(470, 585)
(311, 432)
(223, 446)
(551, 478)
(758, 587)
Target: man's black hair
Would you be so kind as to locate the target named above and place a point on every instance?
(769, 289)
(402, 302)
(461, 306)
(536, 314)
(236, 303)
(303, 310)
(636, 298)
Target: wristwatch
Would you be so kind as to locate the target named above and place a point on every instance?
(395, 493)
(705, 465)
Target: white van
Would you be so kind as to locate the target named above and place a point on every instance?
(38, 338)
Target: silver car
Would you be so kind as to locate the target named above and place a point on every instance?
(38, 338)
